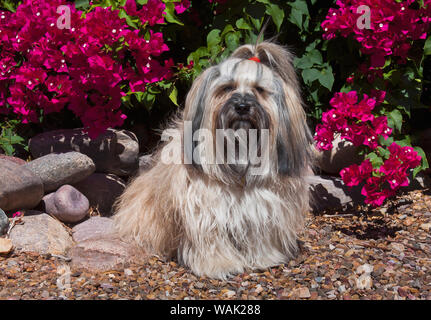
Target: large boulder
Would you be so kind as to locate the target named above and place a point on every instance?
(20, 188)
(56, 170)
(342, 155)
(4, 223)
(115, 151)
(67, 204)
(42, 234)
(99, 248)
(102, 190)
(105, 253)
(331, 193)
(13, 159)
(95, 227)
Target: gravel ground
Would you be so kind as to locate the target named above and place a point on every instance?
(378, 254)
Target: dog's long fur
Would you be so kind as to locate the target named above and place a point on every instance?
(216, 220)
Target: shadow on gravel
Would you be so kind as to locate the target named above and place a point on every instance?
(369, 231)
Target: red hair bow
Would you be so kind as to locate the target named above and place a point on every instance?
(254, 59)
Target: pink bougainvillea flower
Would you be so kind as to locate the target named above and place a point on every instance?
(86, 68)
(182, 6)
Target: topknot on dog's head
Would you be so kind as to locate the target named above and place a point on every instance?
(274, 56)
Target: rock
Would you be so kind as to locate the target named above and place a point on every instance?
(115, 151)
(56, 170)
(19, 187)
(5, 246)
(105, 253)
(364, 282)
(95, 227)
(421, 181)
(67, 204)
(365, 268)
(102, 190)
(128, 272)
(426, 226)
(342, 155)
(18, 161)
(229, 293)
(4, 223)
(304, 292)
(331, 193)
(397, 246)
(42, 234)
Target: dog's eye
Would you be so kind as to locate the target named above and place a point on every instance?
(260, 89)
(228, 88)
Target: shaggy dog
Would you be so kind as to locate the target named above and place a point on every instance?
(225, 216)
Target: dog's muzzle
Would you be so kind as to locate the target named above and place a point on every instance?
(242, 112)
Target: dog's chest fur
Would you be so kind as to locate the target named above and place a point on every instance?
(238, 224)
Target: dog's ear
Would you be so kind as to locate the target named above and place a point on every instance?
(195, 108)
(294, 139)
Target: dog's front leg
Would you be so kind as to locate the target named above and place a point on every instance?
(146, 212)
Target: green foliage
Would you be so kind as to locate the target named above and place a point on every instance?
(9, 138)
(207, 33)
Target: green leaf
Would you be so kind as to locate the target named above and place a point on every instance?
(315, 56)
(213, 38)
(173, 95)
(310, 75)
(424, 163)
(227, 29)
(276, 13)
(303, 63)
(376, 161)
(232, 40)
(326, 78)
(299, 9)
(170, 14)
(81, 4)
(16, 139)
(8, 149)
(242, 24)
(427, 47)
(397, 120)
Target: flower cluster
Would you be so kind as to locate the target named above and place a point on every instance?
(353, 120)
(383, 182)
(391, 28)
(87, 67)
(393, 25)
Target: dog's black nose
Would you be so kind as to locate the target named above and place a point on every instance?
(242, 108)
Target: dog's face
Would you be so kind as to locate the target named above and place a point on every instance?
(242, 92)
(246, 96)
